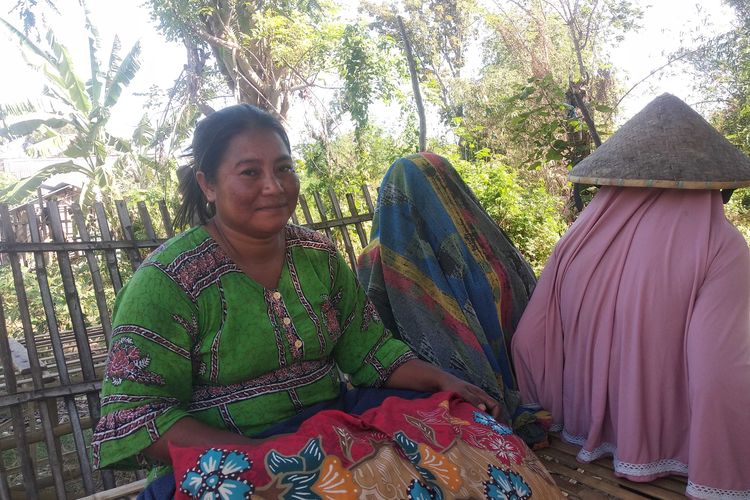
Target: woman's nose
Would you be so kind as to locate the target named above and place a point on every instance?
(272, 184)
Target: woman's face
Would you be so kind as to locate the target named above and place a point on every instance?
(255, 190)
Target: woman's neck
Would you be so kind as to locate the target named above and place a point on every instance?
(260, 258)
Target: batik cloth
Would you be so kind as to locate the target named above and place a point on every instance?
(637, 338)
(193, 335)
(437, 447)
(444, 276)
(353, 401)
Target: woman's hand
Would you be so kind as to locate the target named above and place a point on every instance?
(416, 375)
(471, 393)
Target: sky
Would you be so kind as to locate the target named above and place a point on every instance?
(665, 26)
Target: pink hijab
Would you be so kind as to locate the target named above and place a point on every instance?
(637, 338)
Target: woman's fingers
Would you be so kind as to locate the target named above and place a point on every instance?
(487, 403)
(475, 396)
(494, 408)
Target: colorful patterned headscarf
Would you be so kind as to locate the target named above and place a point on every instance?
(443, 276)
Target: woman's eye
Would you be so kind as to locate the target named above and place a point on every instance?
(286, 168)
(249, 172)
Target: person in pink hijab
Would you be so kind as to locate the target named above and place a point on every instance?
(637, 336)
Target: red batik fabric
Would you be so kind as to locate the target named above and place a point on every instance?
(439, 446)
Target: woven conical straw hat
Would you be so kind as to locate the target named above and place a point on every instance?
(666, 145)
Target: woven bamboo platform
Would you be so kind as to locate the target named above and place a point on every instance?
(597, 479)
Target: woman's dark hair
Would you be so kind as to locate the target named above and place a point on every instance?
(210, 141)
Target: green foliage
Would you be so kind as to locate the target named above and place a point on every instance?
(267, 51)
(533, 126)
(344, 165)
(518, 201)
(722, 70)
(365, 68)
(538, 54)
(440, 32)
(738, 211)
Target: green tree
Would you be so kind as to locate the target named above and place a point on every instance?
(266, 51)
(520, 203)
(441, 32)
(345, 163)
(547, 74)
(724, 65)
(723, 69)
(366, 68)
(71, 121)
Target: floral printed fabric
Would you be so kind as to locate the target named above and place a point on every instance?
(437, 447)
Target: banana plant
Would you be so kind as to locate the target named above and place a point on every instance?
(70, 120)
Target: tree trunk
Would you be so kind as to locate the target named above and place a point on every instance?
(414, 85)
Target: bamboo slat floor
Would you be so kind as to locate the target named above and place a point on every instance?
(596, 480)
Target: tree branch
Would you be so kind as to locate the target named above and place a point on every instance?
(653, 72)
(586, 116)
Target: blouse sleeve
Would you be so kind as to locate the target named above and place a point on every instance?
(366, 350)
(147, 382)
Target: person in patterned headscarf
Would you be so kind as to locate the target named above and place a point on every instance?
(447, 280)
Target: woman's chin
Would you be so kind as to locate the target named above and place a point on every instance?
(270, 228)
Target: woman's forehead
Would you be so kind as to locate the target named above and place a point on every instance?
(258, 143)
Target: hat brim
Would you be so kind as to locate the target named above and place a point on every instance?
(657, 183)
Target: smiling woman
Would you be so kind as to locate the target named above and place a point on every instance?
(256, 191)
(252, 192)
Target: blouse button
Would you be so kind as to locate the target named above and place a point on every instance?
(298, 344)
(287, 321)
(276, 295)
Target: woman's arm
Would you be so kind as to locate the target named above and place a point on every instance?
(190, 432)
(416, 375)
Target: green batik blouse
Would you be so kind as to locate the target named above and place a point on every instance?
(194, 335)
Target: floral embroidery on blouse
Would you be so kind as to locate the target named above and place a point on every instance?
(330, 315)
(369, 314)
(127, 363)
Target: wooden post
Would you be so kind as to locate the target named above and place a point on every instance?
(322, 212)
(344, 230)
(358, 225)
(96, 275)
(109, 255)
(127, 230)
(82, 343)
